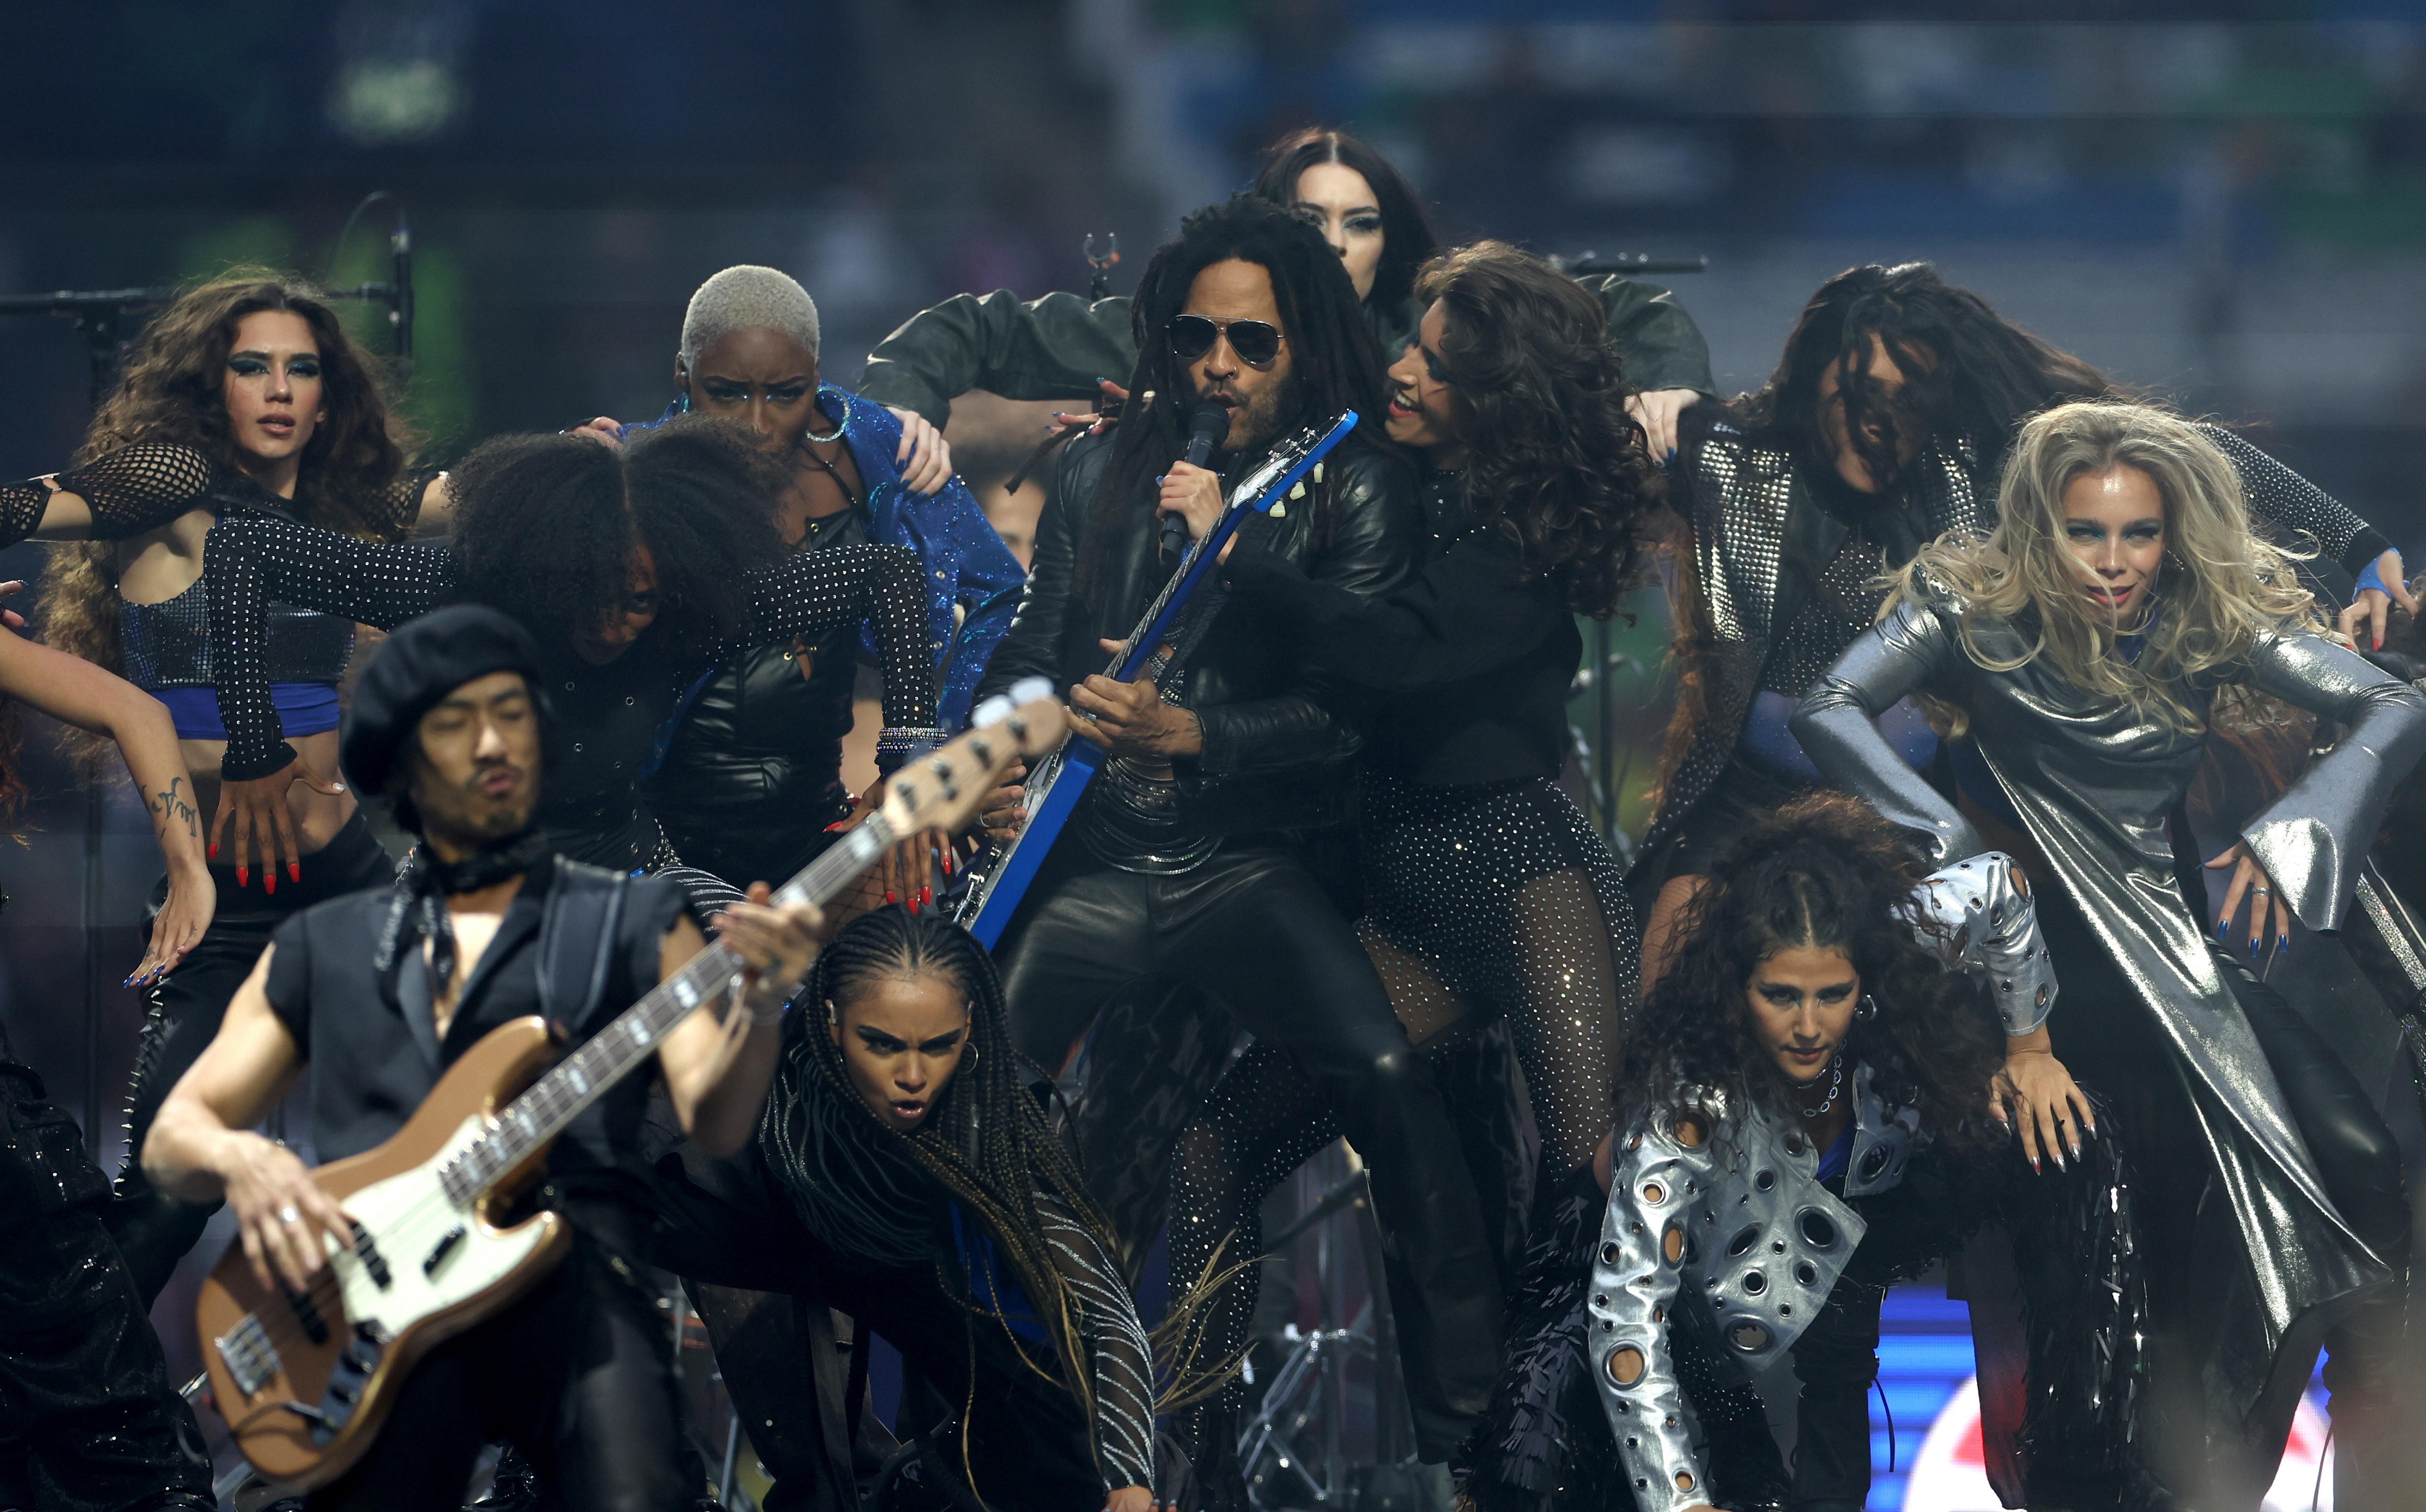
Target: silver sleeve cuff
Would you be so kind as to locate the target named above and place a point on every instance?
(1978, 916)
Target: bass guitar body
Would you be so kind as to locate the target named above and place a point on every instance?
(304, 1379)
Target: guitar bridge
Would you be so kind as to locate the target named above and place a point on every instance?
(250, 1357)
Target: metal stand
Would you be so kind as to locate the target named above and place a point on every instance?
(1295, 1451)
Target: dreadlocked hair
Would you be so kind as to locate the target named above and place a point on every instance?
(1336, 360)
(548, 527)
(1827, 872)
(1553, 459)
(1970, 375)
(986, 1141)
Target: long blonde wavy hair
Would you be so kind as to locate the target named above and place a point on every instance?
(2221, 587)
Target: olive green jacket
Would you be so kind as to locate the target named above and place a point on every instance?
(1056, 347)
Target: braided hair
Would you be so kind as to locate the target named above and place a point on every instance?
(1825, 871)
(987, 1141)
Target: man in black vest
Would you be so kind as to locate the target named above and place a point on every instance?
(380, 991)
(1182, 863)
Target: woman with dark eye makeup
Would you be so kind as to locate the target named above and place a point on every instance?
(1808, 1112)
(751, 781)
(1062, 346)
(244, 398)
(905, 1173)
(2079, 657)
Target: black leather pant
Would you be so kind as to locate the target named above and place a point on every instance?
(88, 1419)
(1253, 928)
(576, 1376)
(2359, 1162)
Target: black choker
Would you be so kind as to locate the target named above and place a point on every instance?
(493, 862)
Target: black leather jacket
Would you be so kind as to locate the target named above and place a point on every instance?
(1279, 740)
(752, 775)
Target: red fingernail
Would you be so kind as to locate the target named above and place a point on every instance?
(269, 882)
(890, 898)
(948, 867)
(215, 850)
(295, 870)
(926, 895)
(241, 873)
(914, 906)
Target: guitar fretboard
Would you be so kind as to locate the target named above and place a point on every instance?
(525, 1125)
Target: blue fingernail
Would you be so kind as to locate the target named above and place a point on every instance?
(2223, 927)
(2254, 944)
(2282, 944)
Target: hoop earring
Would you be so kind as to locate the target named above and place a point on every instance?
(831, 1022)
(969, 1058)
(684, 400)
(1867, 1010)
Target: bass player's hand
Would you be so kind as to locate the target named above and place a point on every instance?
(281, 1214)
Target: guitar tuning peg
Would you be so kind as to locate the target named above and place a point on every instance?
(1029, 689)
(993, 711)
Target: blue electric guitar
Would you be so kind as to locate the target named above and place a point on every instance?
(1000, 879)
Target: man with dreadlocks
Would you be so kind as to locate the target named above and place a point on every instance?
(1885, 426)
(905, 1175)
(1183, 862)
(380, 992)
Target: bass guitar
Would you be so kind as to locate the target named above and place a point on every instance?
(305, 1379)
(998, 881)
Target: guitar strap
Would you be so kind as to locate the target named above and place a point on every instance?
(576, 941)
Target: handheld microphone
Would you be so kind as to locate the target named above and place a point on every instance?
(1206, 428)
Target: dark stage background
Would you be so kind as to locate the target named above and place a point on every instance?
(2222, 202)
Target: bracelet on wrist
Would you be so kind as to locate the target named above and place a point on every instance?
(900, 744)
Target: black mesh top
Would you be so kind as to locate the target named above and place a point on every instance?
(143, 486)
(250, 559)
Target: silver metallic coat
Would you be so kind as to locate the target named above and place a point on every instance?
(1751, 511)
(2096, 785)
(1716, 1219)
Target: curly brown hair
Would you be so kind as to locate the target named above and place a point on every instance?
(1828, 873)
(169, 393)
(1539, 396)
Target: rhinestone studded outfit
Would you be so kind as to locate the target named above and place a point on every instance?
(251, 558)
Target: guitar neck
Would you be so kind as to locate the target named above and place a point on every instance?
(525, 1125)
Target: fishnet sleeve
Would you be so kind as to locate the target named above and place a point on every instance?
(254, 557)
(2293, 505)
(1120, 1362)
(133, 489)
(880, 586)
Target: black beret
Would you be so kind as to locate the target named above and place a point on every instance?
(421, 663)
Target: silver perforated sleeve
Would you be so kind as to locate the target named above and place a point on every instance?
(1634, 1282)
(1978, 915)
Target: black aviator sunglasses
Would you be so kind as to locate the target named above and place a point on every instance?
(1257, 342)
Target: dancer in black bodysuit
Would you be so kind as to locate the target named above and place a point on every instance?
(638, 568)
(245, 397)
(905, 1174)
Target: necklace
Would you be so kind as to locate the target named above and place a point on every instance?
(1835, 1085)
